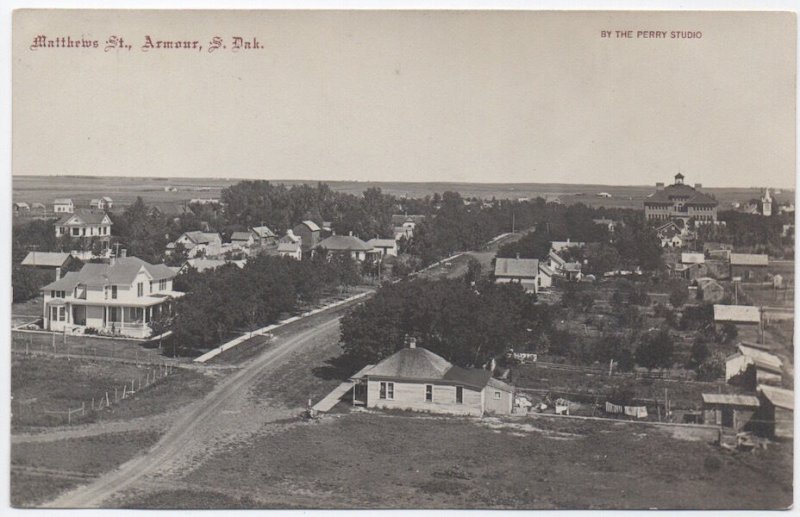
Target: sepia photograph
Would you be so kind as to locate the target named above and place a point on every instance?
(440, 259)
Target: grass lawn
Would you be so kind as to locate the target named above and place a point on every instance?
(56, 384)
(368, 460)
(41, 471)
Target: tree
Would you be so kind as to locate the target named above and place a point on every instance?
(712, 369)
(700, 352)
(473, 274)
(656, 350)
(678, 294)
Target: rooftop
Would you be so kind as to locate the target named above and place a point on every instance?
(748, 259)
(731, 400)
(737, 313)
(84, 216)
(779, 397)
(344, 243)
(45, 259)
(122, 272)
(516, 267)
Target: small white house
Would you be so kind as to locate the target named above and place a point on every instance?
(530, 273)
(384, 246)
(63, 206)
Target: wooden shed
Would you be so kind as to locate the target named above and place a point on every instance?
(777, 411)
(726, 410)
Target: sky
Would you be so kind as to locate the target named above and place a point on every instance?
(527, 97)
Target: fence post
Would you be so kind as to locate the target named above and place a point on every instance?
(92, 403)
(115, 395)
(83, 408)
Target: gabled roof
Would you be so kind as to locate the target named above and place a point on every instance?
(778, 397)
(517, 268)
(707, 282)
(288, 247)
(694, 197)
(555, 257)
(560, 245)
(62, 201)
(263, 231)
(399, 219)
(311, 225)
(748, 259)
(198, 237)
(21, 204)
(85, 216)
(693, 258)
(761, 358)
(545, 269)
(737, 313)
(204, 264)
(122, 272)
(344, 243)
(730, 400)
(240, 236)
(45, 259)
(382, 243)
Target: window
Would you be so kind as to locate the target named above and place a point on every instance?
(429, 393)
(459, 395)
(387, 391)
(151, 286)
(114, 292)
(162, 284)
(140, 289)
(497, 395)
(76, 232)
(62, 314)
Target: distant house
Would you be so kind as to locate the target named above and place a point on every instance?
(556, 263)
(63, 206)
(751, 366)
(21, 206)
(47, 260)
(120, 297)
(558, 246)
(417, 379)
(737, 314)
(750, 267)
(346, 244)
(731, 411)
(709, 290)
(603, 194)
(205, 201)
(404, 225)
(264, 237)
(308, 231)
(693, 258)
(205, 264)
(777, 411)
(290, 249)
(530, 273)
(242, 240)
(85, 223)
(670, 235)
(206, 244)
(689, 271)
(610, 224)
(572, 271)
(709, 247)
(103, 203)
(38, 207)
(384, 246)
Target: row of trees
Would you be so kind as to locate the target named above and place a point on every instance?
(466, 325)
(229, 299)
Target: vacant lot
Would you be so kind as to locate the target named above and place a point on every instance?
(40, 471)
(40, 384)
(364, 460)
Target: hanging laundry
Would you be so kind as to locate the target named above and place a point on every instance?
(614, 409)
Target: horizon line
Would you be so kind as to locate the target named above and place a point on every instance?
(449, 182)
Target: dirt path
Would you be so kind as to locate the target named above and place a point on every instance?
(227, 415)
(95, 429)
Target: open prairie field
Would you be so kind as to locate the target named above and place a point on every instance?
(375, 460)
(42, 189)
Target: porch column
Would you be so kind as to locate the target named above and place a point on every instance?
(122, 317)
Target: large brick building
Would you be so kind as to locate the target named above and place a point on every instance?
(680, 202)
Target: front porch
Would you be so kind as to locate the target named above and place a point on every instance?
(113, 320)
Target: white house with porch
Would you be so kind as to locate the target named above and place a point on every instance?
(84, 223)
(118, 298)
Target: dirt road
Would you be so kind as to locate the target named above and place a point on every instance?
(226, 415)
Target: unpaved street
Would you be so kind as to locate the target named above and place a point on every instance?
(225, 416)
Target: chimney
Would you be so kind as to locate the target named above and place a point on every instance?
(123, 253)
(58, 273)
(698, 185)
(660, 185)
(412, 342)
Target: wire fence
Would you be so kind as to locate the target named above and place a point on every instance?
(36, 413)
(49, 343)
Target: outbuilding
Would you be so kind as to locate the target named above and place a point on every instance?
(777, 411)
(727, 410)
